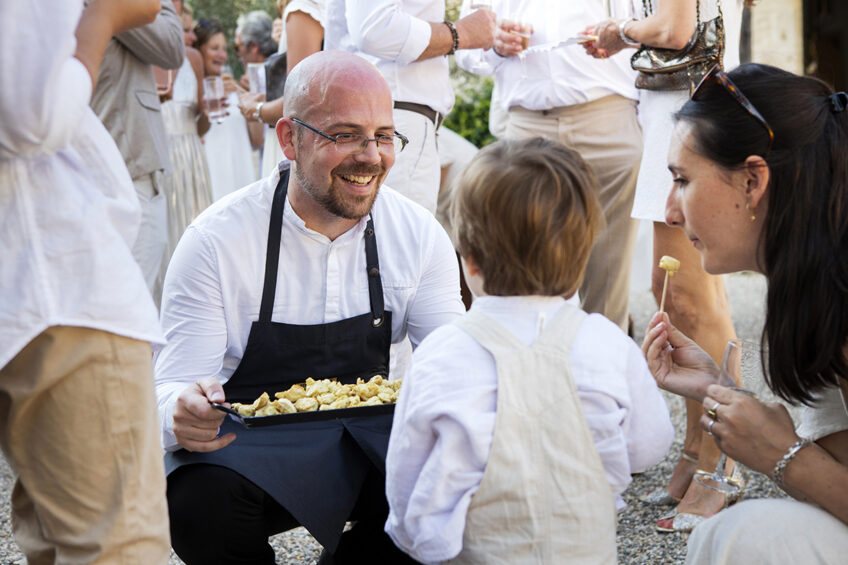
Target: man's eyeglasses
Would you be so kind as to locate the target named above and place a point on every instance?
(719, 76)
(358, 143)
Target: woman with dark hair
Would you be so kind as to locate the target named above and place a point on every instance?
(760, 171)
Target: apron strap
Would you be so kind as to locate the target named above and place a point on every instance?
(272, 257)
(375, 283)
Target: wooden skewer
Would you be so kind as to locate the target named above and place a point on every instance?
(665, 287)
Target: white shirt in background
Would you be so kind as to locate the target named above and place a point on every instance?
(213, 287)
(392, 34)
(563, 76)
(68, 209)
(447, 438)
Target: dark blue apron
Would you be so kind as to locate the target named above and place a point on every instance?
(315, 470)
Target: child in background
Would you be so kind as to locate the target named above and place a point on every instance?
(518, 426)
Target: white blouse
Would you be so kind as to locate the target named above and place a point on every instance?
(440, 442)
(213, 286)
(68, 210)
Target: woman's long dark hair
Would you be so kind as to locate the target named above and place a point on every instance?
(805, 236)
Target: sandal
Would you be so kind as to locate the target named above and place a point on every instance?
(661, 496)
(685, 522)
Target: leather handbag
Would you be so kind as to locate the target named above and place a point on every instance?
(681, 69)
(275, 76)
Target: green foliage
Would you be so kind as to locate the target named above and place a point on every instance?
(227, 12)
(470, 115)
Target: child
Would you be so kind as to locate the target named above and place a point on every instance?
(494, 453)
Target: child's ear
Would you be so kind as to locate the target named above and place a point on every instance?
(470, 266)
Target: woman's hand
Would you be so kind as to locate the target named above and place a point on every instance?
(230, 84)
(247, 104)
(676, 362)
(755, 433)
(608, 40)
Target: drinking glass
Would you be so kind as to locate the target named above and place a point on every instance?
(481, 66)
(256, 77)
(740, 357)
(213, 96)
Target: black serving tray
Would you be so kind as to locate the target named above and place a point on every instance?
(301, 417)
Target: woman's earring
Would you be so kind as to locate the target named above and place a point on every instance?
(748, 207)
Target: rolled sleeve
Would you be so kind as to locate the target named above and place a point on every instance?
(384, 30)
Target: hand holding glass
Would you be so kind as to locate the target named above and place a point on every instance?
(740, 357)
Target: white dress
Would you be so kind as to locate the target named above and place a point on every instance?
(229, 153)
(188, 191)
(655, 115)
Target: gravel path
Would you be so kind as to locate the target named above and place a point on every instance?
(638, 542)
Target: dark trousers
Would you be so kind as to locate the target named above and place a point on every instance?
(219, 517)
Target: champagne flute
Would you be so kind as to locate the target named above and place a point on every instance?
(739, 357)
(481, 66)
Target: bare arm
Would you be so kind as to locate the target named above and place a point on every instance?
(304, 36)
(475, 31)
(101, 19)
(670, 27)
(196, 59)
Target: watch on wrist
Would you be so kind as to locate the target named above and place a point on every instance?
(257, 112)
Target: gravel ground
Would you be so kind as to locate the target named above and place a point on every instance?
(638, 542)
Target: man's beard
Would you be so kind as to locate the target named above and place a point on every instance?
(337, 203)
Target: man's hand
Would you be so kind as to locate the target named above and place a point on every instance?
(196, 422)
(507, 41)
(477, 30)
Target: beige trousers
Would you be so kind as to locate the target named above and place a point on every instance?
(607, 135)
(78, 426)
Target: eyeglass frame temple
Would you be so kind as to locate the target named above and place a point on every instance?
(730, 87)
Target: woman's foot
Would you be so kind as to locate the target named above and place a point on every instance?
(678, 483)
(698, 504)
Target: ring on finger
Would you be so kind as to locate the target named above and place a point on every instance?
(712, 412)
(710, 427)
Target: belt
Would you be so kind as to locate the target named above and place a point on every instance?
(422, 109)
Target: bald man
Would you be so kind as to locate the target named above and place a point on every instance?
(311, 272)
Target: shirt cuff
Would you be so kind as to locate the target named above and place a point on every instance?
(417, 41)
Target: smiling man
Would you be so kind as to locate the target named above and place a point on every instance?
(312, 272)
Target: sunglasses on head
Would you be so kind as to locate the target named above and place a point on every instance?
(717, 75)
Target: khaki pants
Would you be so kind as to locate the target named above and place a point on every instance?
(79, 428)
(607, 135)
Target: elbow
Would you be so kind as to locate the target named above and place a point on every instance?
(676, 37)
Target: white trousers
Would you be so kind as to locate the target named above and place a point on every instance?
(416, 172)
(152, 239)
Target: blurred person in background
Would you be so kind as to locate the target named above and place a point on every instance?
(127, 102)
(188, 189)
(227, 143)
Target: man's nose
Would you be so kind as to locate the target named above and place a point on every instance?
(370, 153)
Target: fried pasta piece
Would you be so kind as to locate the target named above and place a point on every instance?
(284, 406)
(244, 410)
(306, 405)
(293, 394)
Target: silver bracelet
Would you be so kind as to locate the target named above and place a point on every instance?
(621, 25)
(780, 467)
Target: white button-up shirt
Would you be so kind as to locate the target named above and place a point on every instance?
(563, 76)
(444, 422)
(68, 209)
(213, 287)
(392, 34)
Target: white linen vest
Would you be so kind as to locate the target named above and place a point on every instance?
(544, 497)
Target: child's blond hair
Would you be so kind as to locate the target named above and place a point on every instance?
(526, 213)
